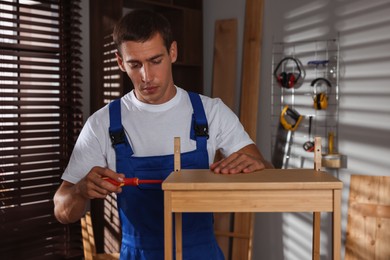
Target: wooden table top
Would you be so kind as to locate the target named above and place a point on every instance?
(268, 179)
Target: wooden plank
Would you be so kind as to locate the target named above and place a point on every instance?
(225, 61)
(252, 201)
(251, 66)
(267, 179)
(223, 87)
(249, 103)
(370, 210)
(368, 228)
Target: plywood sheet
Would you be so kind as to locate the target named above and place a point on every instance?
(368, 228)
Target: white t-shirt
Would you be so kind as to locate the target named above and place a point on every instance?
(151, 129)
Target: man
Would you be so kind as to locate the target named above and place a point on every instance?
(133, 137)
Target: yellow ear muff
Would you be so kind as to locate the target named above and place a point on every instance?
(320, 99)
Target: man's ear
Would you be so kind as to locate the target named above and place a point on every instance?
(120, 61)
(173, 51)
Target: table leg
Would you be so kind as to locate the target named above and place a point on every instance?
(167, 226)
(336, 224)
(178, 235)
(316, 235)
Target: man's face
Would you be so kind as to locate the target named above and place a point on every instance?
(149, 66)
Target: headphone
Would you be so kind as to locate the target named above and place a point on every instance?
(320, 99)
(287, 79)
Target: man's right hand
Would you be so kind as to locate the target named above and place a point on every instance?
(94, 186)
(71, 200)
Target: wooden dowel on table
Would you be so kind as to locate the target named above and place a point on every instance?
(317, 215)
(176, 154)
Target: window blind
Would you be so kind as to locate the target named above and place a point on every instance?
(112, 89)
(40, 118)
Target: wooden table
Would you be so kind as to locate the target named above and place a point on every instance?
(270, 190)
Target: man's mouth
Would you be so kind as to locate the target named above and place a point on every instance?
(150, 89)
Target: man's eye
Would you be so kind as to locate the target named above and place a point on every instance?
(134, 65)
(156, 61)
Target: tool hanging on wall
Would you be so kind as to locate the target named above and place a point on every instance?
(290, 118)
(333, 159)
(288, 123)
(316, 63)
(309, 145)
(320, 96)
(331, 142)
(288, 79)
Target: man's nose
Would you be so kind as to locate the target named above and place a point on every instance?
(146, 73)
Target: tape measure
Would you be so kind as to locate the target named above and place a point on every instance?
(290, 118)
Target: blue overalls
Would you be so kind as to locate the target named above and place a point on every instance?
(141, 209)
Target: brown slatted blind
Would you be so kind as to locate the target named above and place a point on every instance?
(112, 75)
(40, 118)
(112, 89)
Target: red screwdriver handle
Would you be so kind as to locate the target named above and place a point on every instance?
(112, 181)
(131, 181)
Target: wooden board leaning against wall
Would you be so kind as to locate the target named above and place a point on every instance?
(224, 77)
(223, 87)
(250, 88)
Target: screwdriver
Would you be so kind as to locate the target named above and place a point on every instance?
(131, 181)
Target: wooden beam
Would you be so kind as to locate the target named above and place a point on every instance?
(223, 87)
(225, 61)
(243, 222)
(251, 66)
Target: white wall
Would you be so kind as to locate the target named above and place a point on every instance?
(364, 115)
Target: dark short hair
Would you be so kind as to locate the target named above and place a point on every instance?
(141, 25)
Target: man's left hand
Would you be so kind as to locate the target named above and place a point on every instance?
(245, 160)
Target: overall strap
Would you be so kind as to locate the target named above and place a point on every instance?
(199, 125)
(117, 133)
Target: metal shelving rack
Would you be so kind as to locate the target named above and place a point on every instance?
(300, 98)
